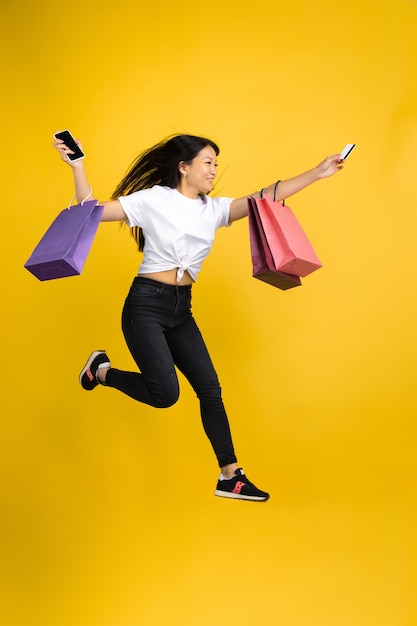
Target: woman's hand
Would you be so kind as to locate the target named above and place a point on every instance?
(82, 186)
(329, 166)
(64, 151)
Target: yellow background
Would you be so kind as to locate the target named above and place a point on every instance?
(106, 508)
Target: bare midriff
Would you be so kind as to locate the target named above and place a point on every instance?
(170, 277)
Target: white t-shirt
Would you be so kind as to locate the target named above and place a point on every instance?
(179, 231)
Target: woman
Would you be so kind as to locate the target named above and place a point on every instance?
(164, 199)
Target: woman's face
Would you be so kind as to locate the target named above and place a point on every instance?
(198, 176)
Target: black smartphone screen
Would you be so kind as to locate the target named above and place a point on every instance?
(69, 141)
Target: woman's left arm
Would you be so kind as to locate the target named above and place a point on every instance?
(289, 187)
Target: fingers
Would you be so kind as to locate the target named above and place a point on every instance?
(338, 162)
(65, 151)
(331, 164)
(334, 158)
(335, 161)
(62, 149)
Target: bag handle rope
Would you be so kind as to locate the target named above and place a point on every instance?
(275, 192)
(82, 201)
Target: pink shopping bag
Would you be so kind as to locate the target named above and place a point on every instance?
(262, 262)
(290, 248)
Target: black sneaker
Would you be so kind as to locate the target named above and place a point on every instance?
(88, 376)
(240, 487)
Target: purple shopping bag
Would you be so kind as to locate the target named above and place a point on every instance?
(262, 260)
(64, 248)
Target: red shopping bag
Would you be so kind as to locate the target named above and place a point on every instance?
(262, 261)
(64, 248)
(290, 248)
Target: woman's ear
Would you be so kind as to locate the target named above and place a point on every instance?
(182, 168)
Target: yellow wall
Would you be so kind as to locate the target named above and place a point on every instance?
(106, 507)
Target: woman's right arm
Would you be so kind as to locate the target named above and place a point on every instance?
(113, 211)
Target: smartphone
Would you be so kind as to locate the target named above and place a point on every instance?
(69, 141)
(347, 150)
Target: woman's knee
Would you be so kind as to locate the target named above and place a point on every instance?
(164, 402)
(165, 396)
(209, 390)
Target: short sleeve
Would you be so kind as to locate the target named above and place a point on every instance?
(221, 208)
(132, 206)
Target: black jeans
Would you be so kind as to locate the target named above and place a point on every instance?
(161, 334)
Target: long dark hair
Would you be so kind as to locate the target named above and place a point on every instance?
(159, 166)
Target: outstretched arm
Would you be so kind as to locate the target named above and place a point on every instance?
(113, 211)
(289, 187)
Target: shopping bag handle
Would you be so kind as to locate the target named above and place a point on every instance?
(275, 192)
(82, 201)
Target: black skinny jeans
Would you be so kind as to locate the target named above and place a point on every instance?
(161, 334)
